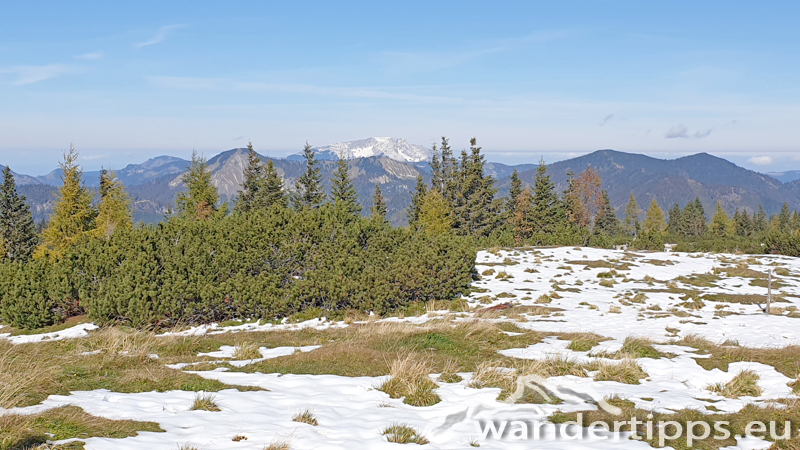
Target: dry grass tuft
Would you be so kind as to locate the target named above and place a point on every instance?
(402, 433)
(246, 350)
(204, 402)
(639, 348)
(626, 371)
(306, 416)
(583, 344)
(488, 374)
(450, 372)
(410, 379)
(745, 384)
(279, 443)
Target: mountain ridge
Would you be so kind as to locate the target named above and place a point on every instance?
(154, 183)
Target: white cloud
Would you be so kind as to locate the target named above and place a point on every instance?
(760, 160)
(33, 74)
(160, 35)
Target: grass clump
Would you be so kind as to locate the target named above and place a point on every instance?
(744, 384)
(639, 348)
(204, 402)
(402, 433)
(450, 373)
(606, 282)
(410, 380)
(503, 275)
(67, 422)
(488, 272)
(306, 416)
(626, 371)
(583, 344)
(543, 299)
(246, 350)
(279, 443)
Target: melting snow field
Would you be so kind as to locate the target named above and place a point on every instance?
(658, 296)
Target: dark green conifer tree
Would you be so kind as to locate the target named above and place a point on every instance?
(379, 209)
(607, 222)
(416, 202)
(272, 191)
(693, 217)
(513, 191)
(545, 212)
(674, 221)
(343, 191)
(785, 218)
(760, 220)
(252, 194)
(17, 229)
(436, 171)
(743, 223)
(476, 194)
(309, 188)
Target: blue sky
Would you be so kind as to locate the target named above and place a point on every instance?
(528, 79)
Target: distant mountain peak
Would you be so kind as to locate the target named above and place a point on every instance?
(392, 148)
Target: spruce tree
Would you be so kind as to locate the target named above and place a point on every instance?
(675, 221)
(252, 193)
(632, 212)
(416, 201)
(73, 215)
(760, 220)
(449, 167)
(436, 170)
(476, 193)
(343, 191)
(272, 191)
(784, 218)
(17, 229)
(199, 200)
(545, 213)
(654, 223)
(309, 188)
(693, 218)
(378, 211)
(743, 223)
(608, 222)
(114, 209)
(514, 191)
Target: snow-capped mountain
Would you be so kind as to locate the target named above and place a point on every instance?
(397, 149)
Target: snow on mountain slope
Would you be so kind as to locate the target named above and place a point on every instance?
(397, 149)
